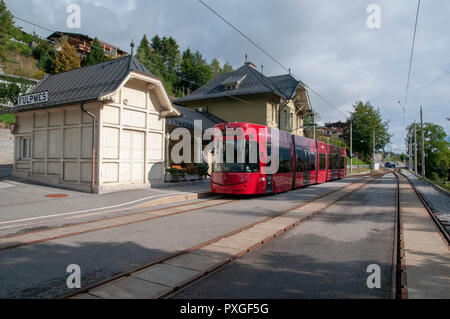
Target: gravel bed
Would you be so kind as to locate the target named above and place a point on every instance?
(438, 201)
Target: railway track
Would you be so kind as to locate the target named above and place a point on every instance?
(163, 277)
(40, 236)
(411, 241)
(124, 217)
(444, 231)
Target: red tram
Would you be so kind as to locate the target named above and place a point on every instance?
(301, 162)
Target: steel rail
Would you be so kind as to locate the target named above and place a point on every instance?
(107, 227)
(232, 233)
(437, 222)
(396, 262)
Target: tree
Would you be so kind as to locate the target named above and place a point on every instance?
(365, 119)
(437, 153)
(6, 22)
(218, 70)
(9, 93)
(67, 59)
(215, 67)
(161, 56)
(46, 55)
(97, 55)
(227, 68)
(194, 71)
(146, 55)
(6, 27)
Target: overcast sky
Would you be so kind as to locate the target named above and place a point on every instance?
(326, 43)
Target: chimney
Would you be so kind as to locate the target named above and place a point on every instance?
(132, 47)
(262, 69)
(250, 64)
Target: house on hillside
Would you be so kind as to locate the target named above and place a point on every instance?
(334, 129)
(247, 95)
(82, 44)
(99, 128)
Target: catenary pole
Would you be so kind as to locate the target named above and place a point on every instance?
(351, 145)
(423, 142)
(373, 151)
(415, 147)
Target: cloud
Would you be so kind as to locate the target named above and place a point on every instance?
(326, 43)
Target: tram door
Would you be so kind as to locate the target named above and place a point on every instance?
(307, 166)
(269, 184)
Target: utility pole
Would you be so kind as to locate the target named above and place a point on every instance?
(410, 152)
(351, 145)
(314, 125)
(423, 142)
(373, 152)
(415, 147)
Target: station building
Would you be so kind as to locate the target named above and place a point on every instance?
(99, 128)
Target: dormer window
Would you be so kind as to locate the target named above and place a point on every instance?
(230, 87)
(233, 82)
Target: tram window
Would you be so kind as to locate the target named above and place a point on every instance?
(269, 149)
(313, 162)
(342, 162)
(300, 160)
(249, 166)
(307, 161)
(336, 161)
(285, 160)
(322, 160)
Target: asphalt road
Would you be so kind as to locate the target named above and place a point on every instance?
(39, 270)
(325, 257)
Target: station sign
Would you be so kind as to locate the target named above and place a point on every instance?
(34, 98)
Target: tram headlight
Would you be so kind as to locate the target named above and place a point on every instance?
(262, 179)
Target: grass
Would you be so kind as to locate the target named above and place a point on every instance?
(444, 184)
(356, 162)
(7, 118)
(357, 170)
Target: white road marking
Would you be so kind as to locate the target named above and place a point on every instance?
(86, 211)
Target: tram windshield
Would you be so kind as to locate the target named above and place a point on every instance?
(233, 161)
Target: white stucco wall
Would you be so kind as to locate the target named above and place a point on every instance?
(130, 143)
(131, 139)
(6, 147)
(61, 146)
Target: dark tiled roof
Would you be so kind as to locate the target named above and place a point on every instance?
(189, 116)
(253, 83)
(285, 83)
(84, 84)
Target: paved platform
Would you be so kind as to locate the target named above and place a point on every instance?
(23, 202)
(39, 270)
(13, 241)
(325, 256)
(155, 281)
(426, 258)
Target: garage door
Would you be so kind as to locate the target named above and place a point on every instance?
(132, 148)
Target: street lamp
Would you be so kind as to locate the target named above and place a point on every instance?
(12, 127)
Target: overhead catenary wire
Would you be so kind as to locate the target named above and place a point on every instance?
(271, 57)
(184, 79)
(410, 62)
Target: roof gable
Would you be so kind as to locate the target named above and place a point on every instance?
(85, 84)
(249, 81)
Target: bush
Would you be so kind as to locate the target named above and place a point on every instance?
(202, 169)
(434, 176)
(176, 173)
